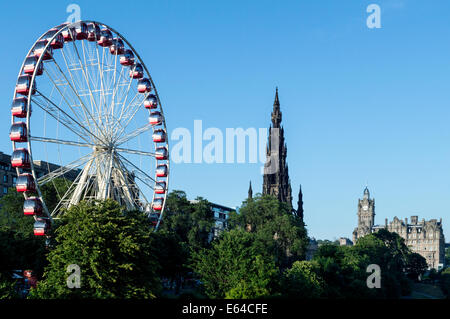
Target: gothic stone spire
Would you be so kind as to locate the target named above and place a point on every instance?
(276, 113)
(250, 191)
(300, 204)
(276, 177)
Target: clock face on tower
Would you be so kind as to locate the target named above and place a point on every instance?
(365, 207)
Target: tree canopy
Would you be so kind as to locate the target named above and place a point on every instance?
(113, 248)
(279, 231)
(235, 267)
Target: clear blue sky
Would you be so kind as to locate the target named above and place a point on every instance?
(359, 105)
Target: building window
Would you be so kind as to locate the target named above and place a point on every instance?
(5, 190)
(5, 178)
(14, 180)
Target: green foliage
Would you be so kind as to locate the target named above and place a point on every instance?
(447, 257)
(11, 213)
(192, 222)
(11, 205)
(343, 271)
(7, 287)
(302, 281)
(321, 242)
(416, 265)
(185, 228)
(445, 282)
(21, 251)
(234, 267)
(172, 255)
(19, 248)
(113, 248)
(177, 215)
(247, 290)
(54, 191)
(278, 231)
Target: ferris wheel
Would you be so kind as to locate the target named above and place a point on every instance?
(86, 106)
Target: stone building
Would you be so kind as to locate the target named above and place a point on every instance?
(312, 248)
(423, 237)
(366, 216)
(8, 174)
(221, 214)
(343, 241)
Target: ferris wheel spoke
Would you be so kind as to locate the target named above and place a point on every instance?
(85, 110)
(124, 96)
(57, 82)
(78, 97)
(67, 123)
(136, 152)
(102, 85)
(134, 134)
(113, 84)
(133, 108)
(65, 120)
(63, 170)
(146, 176)
(116, 86)
(121, 114)
(59, 141)
(78, 183)
(125, 184)
(86, 76)
(123, 103)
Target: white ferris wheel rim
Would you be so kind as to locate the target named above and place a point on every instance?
(40, 60)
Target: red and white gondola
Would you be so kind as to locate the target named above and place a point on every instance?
(106, 38)
(19, 107)
(93, 32)
(137, 72)
(23, 85)
(155, 118)
(39, 49)
(161, 153)
(20, 158)
(18, 132)
(159, 136)
(41, 227)
(127, 58)
(58, 41)
(151, 102)
(33, 207)
(25, 183)
(161, 170)
(117, 47)
(30, 66)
